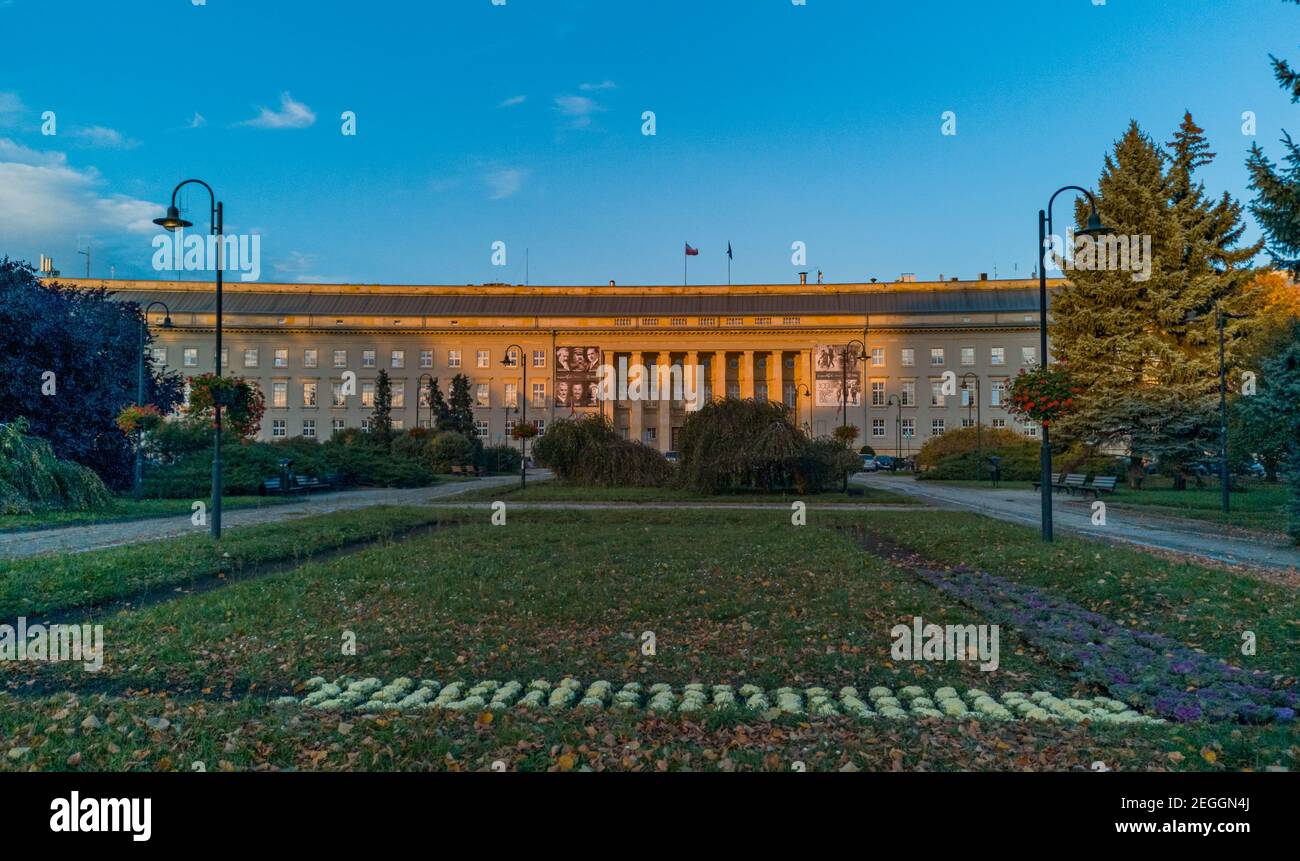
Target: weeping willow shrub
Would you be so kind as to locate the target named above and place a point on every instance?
(589, 451)
(32, 479)
(732, 445)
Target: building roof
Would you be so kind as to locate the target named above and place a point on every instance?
(517, 301)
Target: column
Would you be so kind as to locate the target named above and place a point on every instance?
(747, 375)
(635, 407)
(688, 370)
(609, 407)
(718, 372)
(665, 432)
(778, 376)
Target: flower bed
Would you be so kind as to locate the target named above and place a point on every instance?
(372, 696)
(1146, 671)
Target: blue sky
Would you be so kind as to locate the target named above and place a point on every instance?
(522, 123)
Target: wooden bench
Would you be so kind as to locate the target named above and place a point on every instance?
(1057, 481)
(464, 470)
(298, 484)
(1074, 481)
(1099, 485)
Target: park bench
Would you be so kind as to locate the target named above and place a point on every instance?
(1099, 485)
(464, 470)
(1074, 481)
(298, 484)
(1057, 481)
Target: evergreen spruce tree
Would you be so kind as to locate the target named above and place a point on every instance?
(438, 407)
(461, 406)
(381, 419)
(1277, 187)
(1150, 375)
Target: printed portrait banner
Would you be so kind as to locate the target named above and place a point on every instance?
(830, 376)
(577, 376)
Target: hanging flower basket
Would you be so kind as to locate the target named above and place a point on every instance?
(135, 418)
(241, 402)
(1044, 395)
(524, 431)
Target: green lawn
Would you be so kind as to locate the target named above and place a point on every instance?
(124, 508)
(556, 491)
(733, 597)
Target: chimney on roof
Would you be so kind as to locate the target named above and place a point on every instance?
(803, 278)
(611, 282)
(940, 276)
(984, 276)
(907, 277)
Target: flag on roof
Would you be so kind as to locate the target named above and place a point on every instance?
(691, 252)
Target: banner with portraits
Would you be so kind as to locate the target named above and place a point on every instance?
(577, 376)
(830, 374)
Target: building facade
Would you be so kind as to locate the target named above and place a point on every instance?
(315, 350)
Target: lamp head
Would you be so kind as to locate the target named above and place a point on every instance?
(1095, 227)
(167, 322)
(172, 220)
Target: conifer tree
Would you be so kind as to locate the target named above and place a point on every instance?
(381, 418)
(461, 406)
(438, 407)
(1277, 187)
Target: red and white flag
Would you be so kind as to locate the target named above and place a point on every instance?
(692, 252)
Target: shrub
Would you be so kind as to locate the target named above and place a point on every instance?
(501, 458)
(746, 444)
(589, 451)
(32, 479)
(451, 448)
(955, 455)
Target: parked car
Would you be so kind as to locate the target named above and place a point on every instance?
(1256, 469)
(671, 456)
(869, 463)
(884, 461)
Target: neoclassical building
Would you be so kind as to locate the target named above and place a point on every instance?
(316, 349)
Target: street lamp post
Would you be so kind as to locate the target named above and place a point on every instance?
(1221, 319)
(979, 420)
(522, 402)
(171, 222)
(898, 424)
(1093, 228)
(807, 393)
(137, 485)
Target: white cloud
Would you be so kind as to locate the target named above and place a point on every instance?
(603, 85)
(197, 121)
(43, 201)
(580, 108)
(102, 137)
(505, 182)
(512, 101)
(11, 109)
(292, 115)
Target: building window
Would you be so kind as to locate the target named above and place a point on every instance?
(398, 358)
(399, 424)
(426, 358)
(908, 397)
(909, 357)
(539, 358)
(159, 355)
(309, 358)
(968, 423)
(789, 321)
(482, 395)
(877, 357)
(340, 358)
(278, 428)
(191, 357)
(309, 394)
(399, 395)
(968, 355)
(677, 321)
(365, 425)
(648, 435)
(539, 394)
(1000, 424)
(512, 395)
(250, 357)
(936, 356)
(877, 393)
(622, 321)
(540, 424)
(512, 359)
(453, 358)
(733, 390)
(909, 428)
(339, 400)
(936, 427)
(484, 359)
(1031, 429)
(279, 394)
(367, 358)
(877, 428)
(309, 428)
(481, 428)
(337, 426)
(368, 395)
(965, 395)
(998, 355)
(997, 392)
(225, 357)
(510, 428)
(281, 359)
(791, 395)
(1029, 355)
(936, 393)
(760, 392)
(708, 321)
